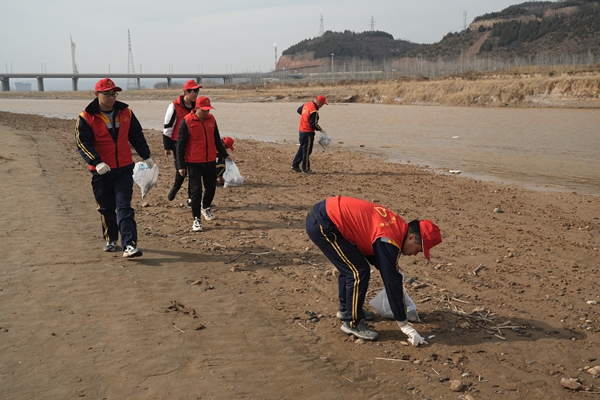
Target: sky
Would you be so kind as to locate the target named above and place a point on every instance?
(235, 36)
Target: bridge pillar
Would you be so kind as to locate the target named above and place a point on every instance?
(40, 81)
(5, 84)
(74, 81)
(199, 80)
(168, 81)
(139, 83)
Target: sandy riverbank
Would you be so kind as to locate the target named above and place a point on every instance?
(76, 322)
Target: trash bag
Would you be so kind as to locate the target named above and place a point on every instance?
(324, 139)
(144, 176)
(381, 304)
(232, 174)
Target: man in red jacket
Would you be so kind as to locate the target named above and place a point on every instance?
(104, 133)
(309, 123)
(354, 233)
(178, 109)
(198, 143)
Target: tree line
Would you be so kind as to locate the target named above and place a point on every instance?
(585, 23)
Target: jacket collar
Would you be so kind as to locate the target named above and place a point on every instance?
(94, 106)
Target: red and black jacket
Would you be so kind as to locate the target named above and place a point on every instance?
(309, 117)
(97, 143)
(198, 141)
(171, 127)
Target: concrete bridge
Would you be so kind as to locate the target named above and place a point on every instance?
(5, 78)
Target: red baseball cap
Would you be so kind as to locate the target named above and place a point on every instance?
(322, 99)
(203, 103)
(430, 236)
(228, 142)
(106, 84)
(190, 85)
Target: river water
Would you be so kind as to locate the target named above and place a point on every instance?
(547, 149)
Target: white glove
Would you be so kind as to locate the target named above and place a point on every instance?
(149, 163)
(413, 336)
(102, 168)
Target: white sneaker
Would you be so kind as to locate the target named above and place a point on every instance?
(110, 246)
(197, 226)
(207, 214)
(131, 251)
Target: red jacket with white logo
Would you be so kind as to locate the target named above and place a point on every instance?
(97, 144)
(199, 141)
(363, 223)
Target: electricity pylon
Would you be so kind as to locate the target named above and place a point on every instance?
(131, 82)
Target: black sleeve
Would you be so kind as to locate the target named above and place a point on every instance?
(182, 139)
(219, 143)
(300, 109)
(314, 121)
(167, 143)
(137, 138)
(386, 256)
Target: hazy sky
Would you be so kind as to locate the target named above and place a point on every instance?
(205, 36)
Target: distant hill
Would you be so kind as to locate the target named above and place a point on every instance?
(347, 45)
(523, 30)
(527, 29)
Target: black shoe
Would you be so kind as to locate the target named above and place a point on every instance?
(296, 169)
(171, 195)
(309, 171)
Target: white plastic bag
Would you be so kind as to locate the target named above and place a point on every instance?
(381, 304)
(144, 176)
(232, 174)
(324, 139)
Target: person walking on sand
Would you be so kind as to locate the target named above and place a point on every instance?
(354, 233)
(178, 109)
(198, 143)
(104, 132)
(228, 144)
(309, 123)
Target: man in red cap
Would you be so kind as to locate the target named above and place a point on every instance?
(178, 109)
(309, 123)
(354, 233)
(104, 133)
(198, 143)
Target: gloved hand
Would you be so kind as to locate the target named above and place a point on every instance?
(149, 163)
(102, 168)
(413, 336)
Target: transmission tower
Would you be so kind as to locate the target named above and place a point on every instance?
(131, 82)
(321, 29)
(464, 20)
(372, 24)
